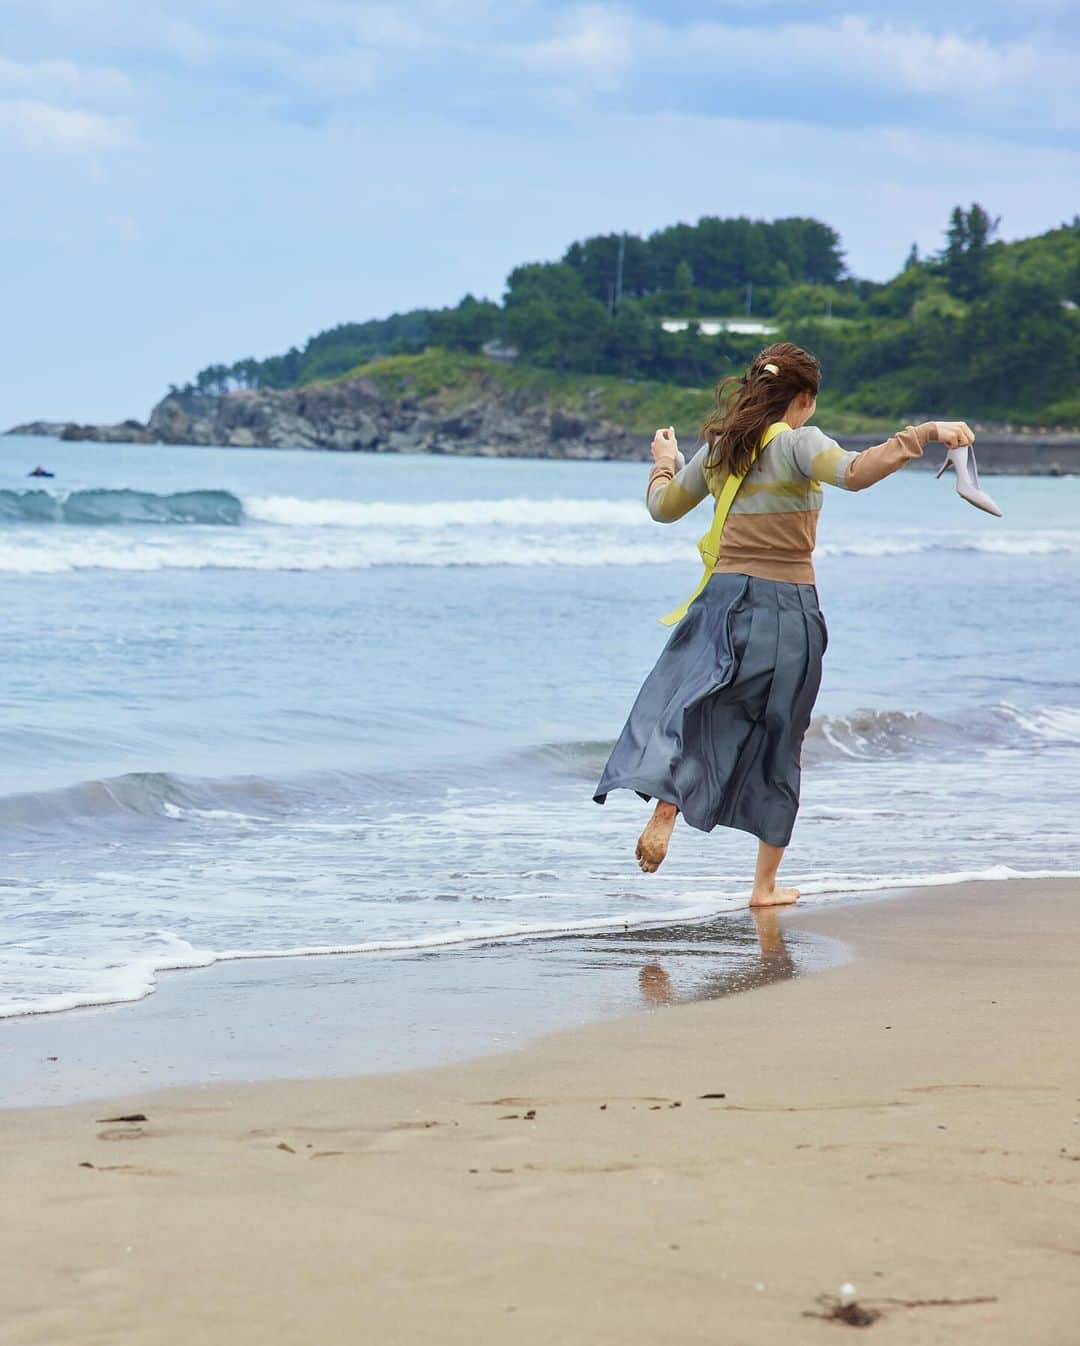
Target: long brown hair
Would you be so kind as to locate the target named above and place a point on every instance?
(747, 404)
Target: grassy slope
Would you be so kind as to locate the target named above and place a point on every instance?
(454, 380)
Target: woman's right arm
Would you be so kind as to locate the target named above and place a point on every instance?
(675, 486)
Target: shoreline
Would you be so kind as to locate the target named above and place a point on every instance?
(362, 1013)
(903, 1122)
(349, 1014)
(1035, 453)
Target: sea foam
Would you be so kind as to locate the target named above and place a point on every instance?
(127, 530)
(119, 980)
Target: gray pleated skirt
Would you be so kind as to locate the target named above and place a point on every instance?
(718, 726)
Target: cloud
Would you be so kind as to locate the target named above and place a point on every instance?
(45, 108)
(62, 79)
(264, 61)
(1000, 64)
(595, 43)
(44, 128)
(913, 58)
(842, 69)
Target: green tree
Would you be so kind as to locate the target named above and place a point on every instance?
(966, 251)
(466, 327)
(799, 302)
(633, 340)
(552, 321)
(1023, 347)
(596, 261)
(1072, 281)
(822, 256)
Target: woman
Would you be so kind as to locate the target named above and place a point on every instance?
(717, 729)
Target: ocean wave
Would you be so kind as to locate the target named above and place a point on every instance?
(104, 507)
(316, 801)
(285, 533)
(256, 551)
(164, 797)
(1048, 724)
(249, 550)
(512, 512)
(890, 733)
(869, 734)
(1049, 542)
(142, 795)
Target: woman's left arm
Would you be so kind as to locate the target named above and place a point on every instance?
(822, 459)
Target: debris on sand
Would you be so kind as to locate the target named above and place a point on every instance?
(844, 1309)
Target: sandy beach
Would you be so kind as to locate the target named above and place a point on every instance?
(908, 1123)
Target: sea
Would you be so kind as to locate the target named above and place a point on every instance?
(264, 703)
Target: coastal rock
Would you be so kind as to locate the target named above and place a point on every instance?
(53, 429)
(564, 426)
(125, 432)
(357, 415)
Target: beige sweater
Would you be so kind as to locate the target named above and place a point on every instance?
(772, 526)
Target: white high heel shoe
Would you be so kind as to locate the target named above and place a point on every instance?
(962, 459)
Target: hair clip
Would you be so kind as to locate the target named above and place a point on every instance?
(770, 369)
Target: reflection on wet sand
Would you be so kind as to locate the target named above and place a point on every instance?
(774, 963)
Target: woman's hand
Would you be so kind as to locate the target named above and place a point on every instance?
(953, 433)
(665, 447)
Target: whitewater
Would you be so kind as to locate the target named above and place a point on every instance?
(126, 529)
(268, 704)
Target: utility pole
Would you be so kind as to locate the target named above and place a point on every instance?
(619, 270)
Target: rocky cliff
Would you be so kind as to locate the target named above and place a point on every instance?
(356, 415)
(480, 410)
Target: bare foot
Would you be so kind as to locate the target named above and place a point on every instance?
(653, 843)
(773, 897)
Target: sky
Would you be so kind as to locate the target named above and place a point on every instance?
(197, 181)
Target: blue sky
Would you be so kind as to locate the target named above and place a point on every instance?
(196, 181)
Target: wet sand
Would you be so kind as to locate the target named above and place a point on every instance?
(301, 1018)
(908, 1122)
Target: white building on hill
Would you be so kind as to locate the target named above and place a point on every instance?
(714, 326)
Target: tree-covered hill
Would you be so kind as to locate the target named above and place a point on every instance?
(982, 328)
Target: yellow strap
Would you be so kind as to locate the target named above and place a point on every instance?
(709, 546)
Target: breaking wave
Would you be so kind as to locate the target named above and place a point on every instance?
(512, 512)
(166, 797)
(893, 733)
(138, 795)
(287, 533)
(869, 734)
(123, 506)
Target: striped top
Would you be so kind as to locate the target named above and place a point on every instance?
(772, 526)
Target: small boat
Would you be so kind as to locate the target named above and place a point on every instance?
(40, 471)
